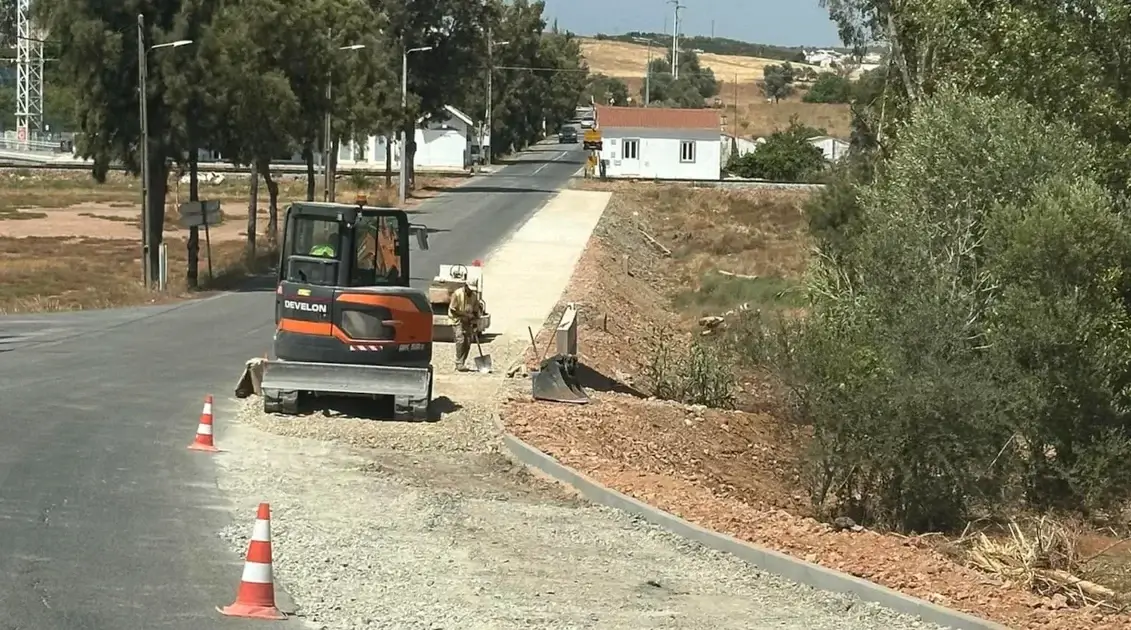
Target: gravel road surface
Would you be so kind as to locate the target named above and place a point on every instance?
(107, 521)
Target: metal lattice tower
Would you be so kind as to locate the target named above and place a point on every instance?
(29, 72)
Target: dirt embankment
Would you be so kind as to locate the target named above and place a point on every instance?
(739, 472)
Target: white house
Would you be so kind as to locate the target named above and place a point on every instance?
(660, 143)
(824, 58)
(833, 148)
(737, 145)
(443, 143)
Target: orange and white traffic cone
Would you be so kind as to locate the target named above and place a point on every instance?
(203, 441)
(256, 595)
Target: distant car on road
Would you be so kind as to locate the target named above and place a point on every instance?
(567, 135)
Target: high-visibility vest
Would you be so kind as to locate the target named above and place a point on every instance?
(322, 250)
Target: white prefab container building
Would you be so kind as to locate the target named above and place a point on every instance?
(660, 143)
(443, 143)
(833, 148)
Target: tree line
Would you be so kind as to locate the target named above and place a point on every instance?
(966, 347)
(717, 45)
(260, 76)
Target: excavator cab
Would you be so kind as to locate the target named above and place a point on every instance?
(347, 321)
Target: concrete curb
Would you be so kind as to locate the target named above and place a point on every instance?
(779, 564)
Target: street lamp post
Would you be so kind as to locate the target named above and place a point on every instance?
(647, 70)
(403, 184)
(147, 220)
(675, 37)
(327, 144)
(490, 109)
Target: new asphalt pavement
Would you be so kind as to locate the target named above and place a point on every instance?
(107, 521)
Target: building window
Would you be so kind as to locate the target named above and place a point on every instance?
(630, 150)
(687, 151)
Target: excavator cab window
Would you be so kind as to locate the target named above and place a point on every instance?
(378, 257)
(311, 251)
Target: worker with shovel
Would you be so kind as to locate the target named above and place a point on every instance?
(464, 311)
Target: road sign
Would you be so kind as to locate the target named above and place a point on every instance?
(197, 213)
(21, 134)
(592, 140)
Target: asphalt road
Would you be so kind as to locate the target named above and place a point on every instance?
(107, 521)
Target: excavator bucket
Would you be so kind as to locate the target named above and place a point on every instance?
(251, 381)
(335, 378)
(556, 381)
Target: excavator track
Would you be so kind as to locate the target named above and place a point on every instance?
(280, 402)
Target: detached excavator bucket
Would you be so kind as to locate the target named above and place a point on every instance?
(556, 381)
(251, 381)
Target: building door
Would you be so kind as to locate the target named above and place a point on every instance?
(630, 157)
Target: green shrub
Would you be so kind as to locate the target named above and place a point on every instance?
(698, 373)
(968, 347)
(785, 156)
(829, 88)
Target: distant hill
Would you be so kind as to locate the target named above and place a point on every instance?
(726, 46)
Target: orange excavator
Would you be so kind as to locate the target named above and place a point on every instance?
(347, 321)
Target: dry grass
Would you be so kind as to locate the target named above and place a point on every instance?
(758, 234)
(22, 189)
(79, 245)
(1047, 556)
(56, 274)
(757, 117)
(623, 59)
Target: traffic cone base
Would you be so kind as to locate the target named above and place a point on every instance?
(203, 440)
(254, 612)
(255, 597)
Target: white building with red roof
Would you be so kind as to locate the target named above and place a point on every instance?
(660, 143)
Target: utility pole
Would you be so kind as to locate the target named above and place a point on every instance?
(149, 269)
(327, 123)
(403, 188)
(29, 75)
(327, 132)
(735, 104)
(647, 69)
(490, 113)
(648, 77)
(675, 36)
(143, 116)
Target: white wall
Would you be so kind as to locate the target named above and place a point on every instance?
(743, 145)
(833, 148)
(659, 157)
(441, 145)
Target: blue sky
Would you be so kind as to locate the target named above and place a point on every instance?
(782, 22)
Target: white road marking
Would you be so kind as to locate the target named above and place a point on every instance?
(553, 159)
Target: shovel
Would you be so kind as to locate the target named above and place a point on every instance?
(483, 361)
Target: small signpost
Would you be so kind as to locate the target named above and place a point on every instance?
(201, 213)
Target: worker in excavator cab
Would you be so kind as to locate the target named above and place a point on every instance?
(464, 310)
(325, 249)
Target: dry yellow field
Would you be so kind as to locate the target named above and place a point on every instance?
(625, 60)
(761, 117)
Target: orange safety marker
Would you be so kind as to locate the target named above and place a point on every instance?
(256, 595)
(203, 441)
